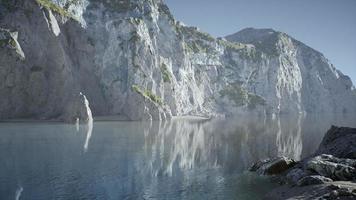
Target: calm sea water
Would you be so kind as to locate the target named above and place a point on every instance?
(181, 159)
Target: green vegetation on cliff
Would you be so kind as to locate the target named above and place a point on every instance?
(147, 94)
(11, 42)
(195, 33)
(236, 93)
(54, 7)
(166, 75)
(119, 5)
(231, 45)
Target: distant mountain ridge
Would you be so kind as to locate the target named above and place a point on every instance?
(132, 58)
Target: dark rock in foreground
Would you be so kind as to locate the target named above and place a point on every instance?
(339, 142)
(333, 190)
(332, 167)
(313, 180)
(329, 174)
(272, 167)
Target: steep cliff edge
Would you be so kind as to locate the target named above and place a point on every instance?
(302, 78)
(132, 58)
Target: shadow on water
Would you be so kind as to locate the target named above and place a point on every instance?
(180, 159)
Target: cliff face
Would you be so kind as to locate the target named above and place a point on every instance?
(132, 58)
(298, 77)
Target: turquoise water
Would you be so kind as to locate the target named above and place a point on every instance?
(181, 159)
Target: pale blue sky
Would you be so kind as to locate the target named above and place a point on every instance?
(328, 26)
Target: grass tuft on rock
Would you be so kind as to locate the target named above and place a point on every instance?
(147, 94)
(166, 75)
(241, 97)
(54, 7)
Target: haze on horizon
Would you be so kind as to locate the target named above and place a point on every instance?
(328, 26)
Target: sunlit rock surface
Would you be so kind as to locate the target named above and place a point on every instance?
(108, 49)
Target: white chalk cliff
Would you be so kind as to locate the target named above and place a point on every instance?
(132, 58)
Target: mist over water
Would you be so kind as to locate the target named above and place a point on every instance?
(180, 159)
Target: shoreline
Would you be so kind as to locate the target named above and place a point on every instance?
(114, 118)
(329, 173)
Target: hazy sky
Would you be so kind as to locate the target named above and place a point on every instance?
(328, 26)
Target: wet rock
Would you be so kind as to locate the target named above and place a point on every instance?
(313, 180)
(339, 142)
(329, 190)
(333, 187)
(332, 167)
(341, 193)
(294, 175)
(322, 176)
(274, 166)
(258, 165)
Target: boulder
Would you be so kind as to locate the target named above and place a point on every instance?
(341, 193)
(332, 167)
(339, 142)
(313, 180)
(329, 190)
(322, 176)
(273, 166)
(257, 165)
(294, 175)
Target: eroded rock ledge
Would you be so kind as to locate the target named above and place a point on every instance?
(329, 174)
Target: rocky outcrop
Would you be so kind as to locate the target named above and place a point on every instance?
(319, 176)
(9, 41)
(332, 167)
(340, 142)
(313, 180)
(274, 166)
(105, 49)
(332, 190)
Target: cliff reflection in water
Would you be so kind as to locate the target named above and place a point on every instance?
(233, 144)
(180, 159)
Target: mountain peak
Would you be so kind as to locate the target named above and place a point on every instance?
(251, 35)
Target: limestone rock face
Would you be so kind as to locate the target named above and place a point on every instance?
(9, 40)
(340, 142)
(78, 109)
(295, 77)
(105, 48)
